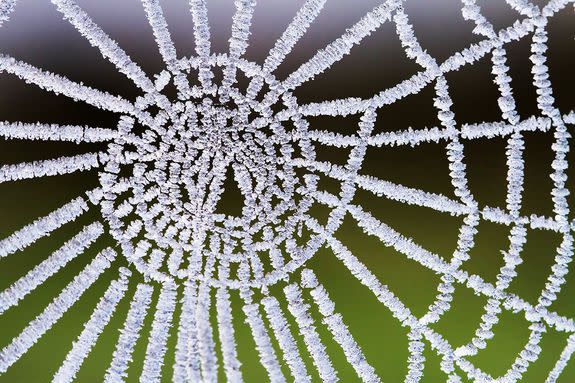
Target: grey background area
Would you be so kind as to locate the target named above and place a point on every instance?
(37, 34)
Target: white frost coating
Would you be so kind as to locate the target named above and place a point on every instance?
(206, 344)
(158, 337)
(238, 42)
(165, 44)
(295, 30)
(129, 334)
(108, 47)
(164, 173)
(338, 329)
(285, 339)
(311, 338)
(93, 328)
(54, 311)
(161, 33)
(342, 46)
(264, 346)
(37, 169)
(187, 365)
(50, 266)
(199, 10)
(61, 85)
(42, 226)
(563, 360)
(227, 339)
(52, 132)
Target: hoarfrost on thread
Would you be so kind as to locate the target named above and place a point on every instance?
(166, 165)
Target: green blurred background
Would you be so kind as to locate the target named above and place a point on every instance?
(37, 34)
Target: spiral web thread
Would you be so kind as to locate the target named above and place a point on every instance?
(194, 253)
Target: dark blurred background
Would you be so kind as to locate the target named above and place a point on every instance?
(37, 34)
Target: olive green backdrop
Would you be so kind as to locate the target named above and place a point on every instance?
(37, 34)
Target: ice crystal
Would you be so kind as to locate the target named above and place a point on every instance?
(162, 177)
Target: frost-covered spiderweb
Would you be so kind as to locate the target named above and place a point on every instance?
(164, 172)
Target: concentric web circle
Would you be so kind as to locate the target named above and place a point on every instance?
(165, 174)
(171, 159)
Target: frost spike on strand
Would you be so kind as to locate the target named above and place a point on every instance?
(6, 8)
(99, 39)
(42, 226)
(58, 166)
(227, 339)
(129, 334)
(53, 132)
(61, 85)
(339, 330)
(285, 339)
(187, 360)
(264, 347)
(311, 338)
(50, 266)
(54, 311)
(159, 333)
(93, 328)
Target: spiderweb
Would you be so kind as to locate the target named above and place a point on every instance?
(166, 165)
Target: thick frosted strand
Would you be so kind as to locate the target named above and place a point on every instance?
(285, 339)
(99, 39)
(206, 344)
(93, 328)
(227, 338)
(187, 360)
(392, 238)
(388, 189)
(311, 338)
(502, 128)
(563, 360)
(264, 346)
(416, 360)
(409, 136)
(162, 35)
(283, 46)
(129, 334)
(52, 132)
(50, 266)
(199, 11)
(156, 350)
(410, 43)
(175, 259)
(61, 85)
(295, 30)
(241, 23)
(37, 169)
(54, 311)
(515, 171)
(337, 327)
(165, 44)
(434, 262)
(42, 226)
(336, 50)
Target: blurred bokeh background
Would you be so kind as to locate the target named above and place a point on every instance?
(37, 34)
